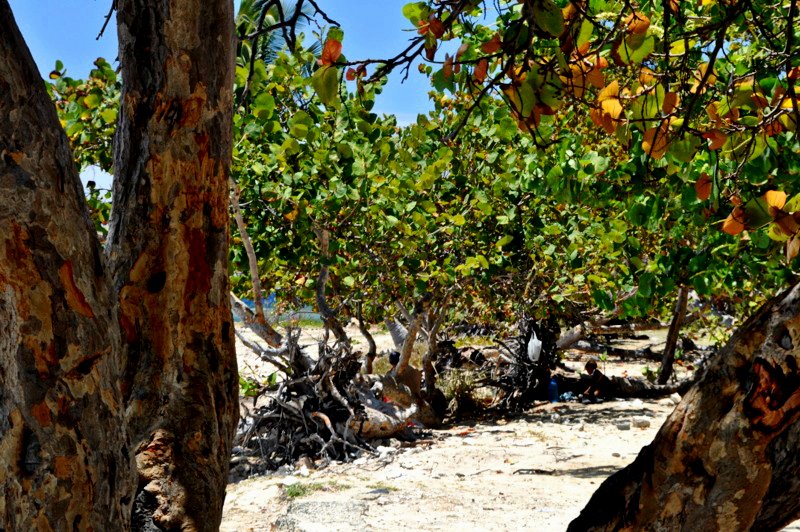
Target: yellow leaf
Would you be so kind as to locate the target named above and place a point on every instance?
(611, 91)
(775, 198)
(612, 107)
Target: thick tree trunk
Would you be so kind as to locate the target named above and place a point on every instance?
(168, 249)
(65, 461)
(726, 459)
(668, 357)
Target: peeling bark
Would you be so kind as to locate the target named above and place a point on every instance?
(65, 461)
(168, 251)
(726, 458)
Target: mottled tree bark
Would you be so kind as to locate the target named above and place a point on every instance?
(726, 459)
(168, 251)
(65, 462)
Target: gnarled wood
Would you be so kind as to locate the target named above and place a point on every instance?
(65, 462)
(723, 460)
(168, 250)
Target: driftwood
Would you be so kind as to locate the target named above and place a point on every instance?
(623, 387)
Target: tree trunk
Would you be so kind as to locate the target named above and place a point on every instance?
(168, 250)
(726, 459)
(668, 356)
(373, 349)
(65, 461)
(266, 331)
(327, 314)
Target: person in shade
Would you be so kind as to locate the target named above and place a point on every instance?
(598, 384)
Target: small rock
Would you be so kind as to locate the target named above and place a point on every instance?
(616, 455)
(383, 451)
(624, 425)
(582, 427)
(304, 461)
(637, 403)
(675, 398)
(640, 422)
(555, 418)
(303, 471)
(360, 461)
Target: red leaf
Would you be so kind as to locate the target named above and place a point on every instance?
(492, 46)
(703, 187)
(479, 74)
(330, 53)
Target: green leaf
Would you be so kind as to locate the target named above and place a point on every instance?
(416, 11)
(585, 35)
(109, 116)
(326, 82)
(92, 100)
(634, 52)
(264, 105)
(548, 17)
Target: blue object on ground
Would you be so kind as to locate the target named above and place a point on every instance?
(552, 391)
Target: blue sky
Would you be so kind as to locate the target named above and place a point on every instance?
(67, 30)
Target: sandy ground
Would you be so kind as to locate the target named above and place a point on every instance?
(535, 471)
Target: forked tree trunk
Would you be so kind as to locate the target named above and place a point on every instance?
(65, 460)
(726, 459)
(168, 250)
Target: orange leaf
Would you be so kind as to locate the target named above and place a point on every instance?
(447, 69)
(792, 248)
(330, 53)
(492, 46)
(596, 78)
(703, 187)
(717, 138)
(611, 91)
(759, 100)
(480, 70)
(637, 23)
(656, 141)
(350, 74)
(794, 73)
(734, 223)
(461, 51)
(670, 102)
(775, 198)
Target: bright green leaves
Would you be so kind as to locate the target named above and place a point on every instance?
(300, 124)
(263, 106)
(326, 82)
(416, 12)
(88, 111)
